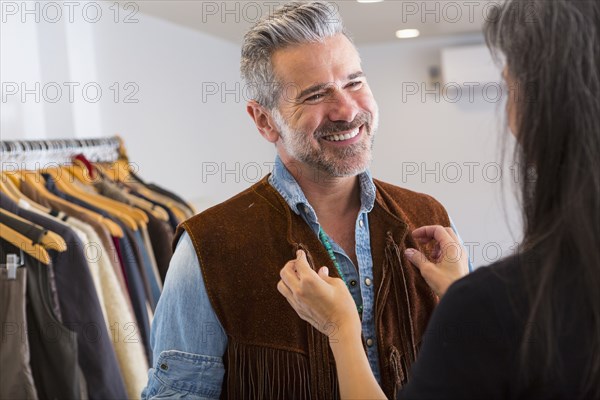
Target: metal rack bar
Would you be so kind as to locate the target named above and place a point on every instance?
(38, 154)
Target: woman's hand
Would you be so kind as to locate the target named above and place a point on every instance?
(449, 260)
(322, 301)
(327, 305)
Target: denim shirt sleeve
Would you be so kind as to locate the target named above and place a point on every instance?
(461, 242)
(188, 341)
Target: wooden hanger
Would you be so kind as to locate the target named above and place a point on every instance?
(119, 210)
(53, 241)
(10, 185)
(118, 171)
(156, 211)
(11, 177)
(148, 207)
(64, 185)
(35, 179)
(78, 170)
(50, 240)
(167, 201)
(16, 239)
(4, 188)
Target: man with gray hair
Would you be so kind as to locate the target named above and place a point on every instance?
(221, 328)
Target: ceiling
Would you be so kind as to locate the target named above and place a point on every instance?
(368, 23)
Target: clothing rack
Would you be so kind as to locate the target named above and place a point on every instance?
(47, 226)
(36, 154)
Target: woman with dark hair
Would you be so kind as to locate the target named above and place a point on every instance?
(528, 326)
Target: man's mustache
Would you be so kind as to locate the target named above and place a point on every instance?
(333, 127)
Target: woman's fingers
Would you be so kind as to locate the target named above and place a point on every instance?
(302, 266)
(452, 233)
(317, 298)
(297, 275)
(287, 293)
(428, 233)
(448, 259)
(436, 253)
(296, 305)
(447, 243)
(283, 289)
(289, 276)
(418, 259)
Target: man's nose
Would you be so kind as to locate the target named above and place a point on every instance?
(343, 107)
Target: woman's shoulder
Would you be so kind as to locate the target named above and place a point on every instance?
(469, 346)
(504, 277)
(496, 294)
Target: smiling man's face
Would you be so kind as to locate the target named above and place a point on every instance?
(327, 116)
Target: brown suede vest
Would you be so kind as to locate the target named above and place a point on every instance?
(272, 354)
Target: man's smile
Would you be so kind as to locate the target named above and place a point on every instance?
(345, 137)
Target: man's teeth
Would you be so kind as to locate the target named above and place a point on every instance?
(337, 138)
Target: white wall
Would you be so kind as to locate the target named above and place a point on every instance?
(157, 83)
(179, 128)
(203, 145)
(19, 63)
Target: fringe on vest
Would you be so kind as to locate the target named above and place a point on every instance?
(259, 372)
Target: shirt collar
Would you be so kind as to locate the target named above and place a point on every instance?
(287, 186)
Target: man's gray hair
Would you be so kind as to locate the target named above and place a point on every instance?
(294, 23)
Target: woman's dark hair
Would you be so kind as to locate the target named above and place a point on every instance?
(552, 54)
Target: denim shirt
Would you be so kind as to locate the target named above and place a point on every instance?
(187, 339)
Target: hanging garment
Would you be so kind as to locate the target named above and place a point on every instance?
(137, 281)
(150, 249)
(97, 291)
(151, 274)
(91, 256)
(16, 379)
(137, 247)
(113, 191)
(81, 310)
(53, 347)
(161, 236)
(63, 211)
(136, 290)
(160, 231)
(122, 327)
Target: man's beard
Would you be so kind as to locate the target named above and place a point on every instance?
(349, 160)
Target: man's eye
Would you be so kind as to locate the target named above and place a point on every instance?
(355, 85)
(315, 97)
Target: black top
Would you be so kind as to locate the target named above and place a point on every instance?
(470, 347)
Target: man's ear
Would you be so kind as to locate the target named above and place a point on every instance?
(263, 120)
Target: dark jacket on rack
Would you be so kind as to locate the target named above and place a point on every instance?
(243, 243)
(161, 233)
